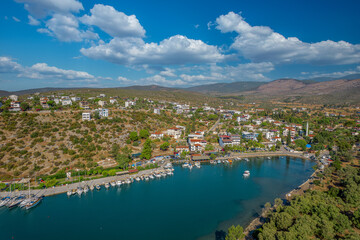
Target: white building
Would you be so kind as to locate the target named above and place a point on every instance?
(156, 110)
(174, 132)
(129, 103)
(66, 102)
(103, 112)
(13, 97)
(101, 103)
(102, 95)
(113, 101)
(86, 116)
(157, 135)
(75, 99)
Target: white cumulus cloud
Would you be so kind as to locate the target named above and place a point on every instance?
(42, 8)
(7, 65)
(174, 50)
(113, 22)
(262, 44)
(66, 28)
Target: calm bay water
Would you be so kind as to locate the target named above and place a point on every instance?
(188, 205)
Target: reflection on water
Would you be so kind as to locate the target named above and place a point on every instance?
(197, 204)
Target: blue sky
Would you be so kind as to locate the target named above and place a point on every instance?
(72, 43)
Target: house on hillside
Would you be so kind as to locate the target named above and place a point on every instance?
(174, 132)
(157, 135)
(14, 98)
(86, 116)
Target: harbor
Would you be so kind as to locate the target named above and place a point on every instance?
(184, 197)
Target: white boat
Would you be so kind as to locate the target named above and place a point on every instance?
(33, 203)
(197, 164)
(118, 183)
(246, 173)
(246, 159)
(137, 179)
(158, 175)
(86, 189)
(185, 165)
(4, 201)
(97, 187)
(190, 166)
(151, 176)
(128, 181)
(92, 187)
(107, 185)
(69, 193)
(146, 178)
(218, 161)
(163, 174)
(269, 158)
(79, 191)
(113, 183)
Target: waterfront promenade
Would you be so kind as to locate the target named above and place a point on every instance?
(65, 188)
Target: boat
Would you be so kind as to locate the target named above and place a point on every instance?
(190, 166)
(246, 159)
(219, 161)
(92, 187)
(137, 179)
(230, 161)
(79, 191)
(4, 201)
(15, 202)
(185, 165)
(33, 203)
(269, 158)
(97, 186)
(118, 183)
(73, 192)
(197, 164)
(246, 173)
(158, 175)
(113, 183)
(151, 176)
(69, 193)
(86, 189)
(107, 185)
(163, 174)
(146, 178)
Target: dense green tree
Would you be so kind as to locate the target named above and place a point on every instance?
(144, 133)
(24, 106)
(147, 150)
(235, 233)
(133, 136)
(165, 146)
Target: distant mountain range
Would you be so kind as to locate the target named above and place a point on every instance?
(316, 90)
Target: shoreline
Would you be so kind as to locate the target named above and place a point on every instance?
(260, 220)
(101, 181)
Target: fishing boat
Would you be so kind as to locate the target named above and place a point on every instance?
(92, 187)
(246, 173)
(33, 203)
(190, 166)
(246, 159)
(128, 181)
(151, 176)
(118, 183)
(86, 189)
(163, 174)
(198, 165)
(107, 185)
(269, 158)
(97, 187)
(218, 161)
(146, 178)
(137, 179)
(113, 183)
(158, 175)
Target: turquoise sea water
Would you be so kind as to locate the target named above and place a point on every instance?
(188, 205)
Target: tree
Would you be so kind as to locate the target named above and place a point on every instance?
(165, 146)
(259, 137)
(235, 233)
(209, 147)
(147, 150)
(144, 133)
(288, 139)
(133, 136)
(24, 106)
(301, 143)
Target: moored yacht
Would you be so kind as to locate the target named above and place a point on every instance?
(97, 187)
(107, 185)
(113, 183)
(246, 173)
